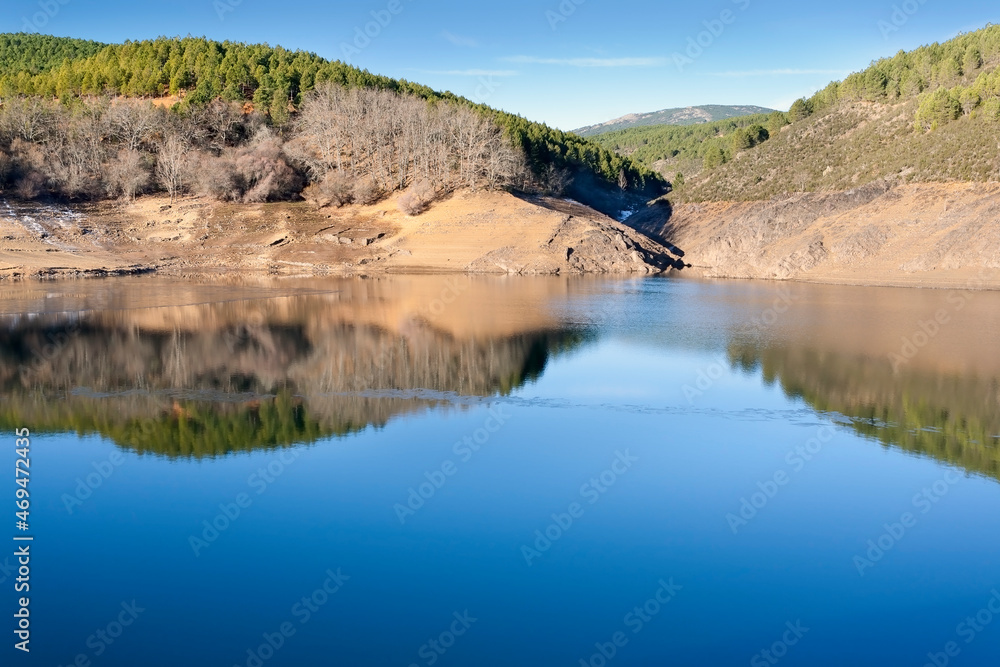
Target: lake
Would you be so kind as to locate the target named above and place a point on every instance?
(451, 470)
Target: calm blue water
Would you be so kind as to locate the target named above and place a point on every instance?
(638, 414)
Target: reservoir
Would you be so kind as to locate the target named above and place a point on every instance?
(453, 470)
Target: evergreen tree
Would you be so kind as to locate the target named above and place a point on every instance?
(800, 110)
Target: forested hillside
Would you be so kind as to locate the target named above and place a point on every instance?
(931, 114)
(63, 114)
(950, 80)
(33, 54)
(673, 149)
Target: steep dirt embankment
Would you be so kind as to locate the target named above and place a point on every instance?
(479, 233)
(923, 235)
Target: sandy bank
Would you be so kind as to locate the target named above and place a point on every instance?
(468, 232)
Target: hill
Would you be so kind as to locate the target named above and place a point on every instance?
(887, 177)
(942, 235)
(706, 113)
(274, 85)
(927, 115)
(675, 150)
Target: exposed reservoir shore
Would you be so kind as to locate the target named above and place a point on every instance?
(468, 232)
(936, 235)
(933, 235)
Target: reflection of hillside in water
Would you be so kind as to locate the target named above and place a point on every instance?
(951, 416)
(219, 377)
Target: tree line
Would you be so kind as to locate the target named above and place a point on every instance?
(952, 79)
(343, 145)
(276, 84)
(708, 144)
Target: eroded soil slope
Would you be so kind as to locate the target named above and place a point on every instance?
(481, 233)
(927, 235)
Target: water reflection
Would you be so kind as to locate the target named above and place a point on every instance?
(186, 372)
(952, 417)
(914, 369)
(206, 379)
(203, 370)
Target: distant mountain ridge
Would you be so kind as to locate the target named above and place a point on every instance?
(705, 113)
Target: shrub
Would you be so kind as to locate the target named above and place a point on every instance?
(29, 185)
(255, 173)
(366, 192)
(126, 175)
(335, 189)
(216, 177)
(416, 200)
(264, 173)
(6, 166)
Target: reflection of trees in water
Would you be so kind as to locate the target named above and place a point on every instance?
(149, 424)
(239, 388)
(953, 418)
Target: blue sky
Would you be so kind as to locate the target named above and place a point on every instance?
(564, 62)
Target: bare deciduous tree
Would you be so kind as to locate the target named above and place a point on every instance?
(352, 144)
(172, 163)
(393, 141)
(127, 174)
(133, 122)
(26, 118)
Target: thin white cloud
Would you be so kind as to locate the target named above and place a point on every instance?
(781, 72)
(459, 40)
(471, 72)
(972, 27)
(784, 103)
(587, 62)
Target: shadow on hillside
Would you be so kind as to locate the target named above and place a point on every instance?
(655, 221)
(566, 206)
(652, 221)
